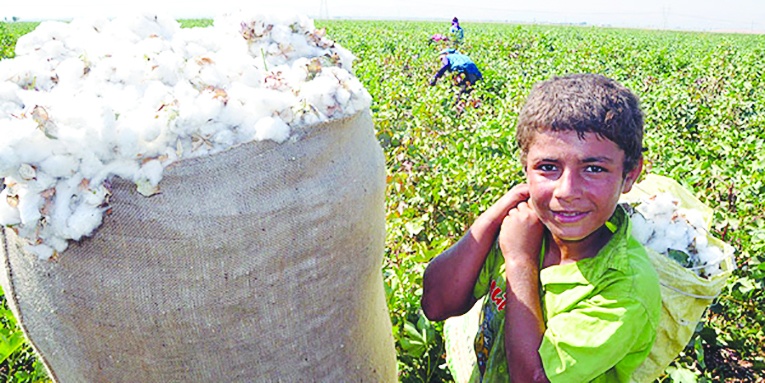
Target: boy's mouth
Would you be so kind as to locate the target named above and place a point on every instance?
(568, 216)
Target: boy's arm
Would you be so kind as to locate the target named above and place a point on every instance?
(520, 240)
(449, 279)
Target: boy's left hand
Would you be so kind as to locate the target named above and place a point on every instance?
(520, 237)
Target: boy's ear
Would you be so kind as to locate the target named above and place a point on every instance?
(632, 176)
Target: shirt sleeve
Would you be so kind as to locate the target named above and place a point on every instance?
(443, 69)
(585, 344)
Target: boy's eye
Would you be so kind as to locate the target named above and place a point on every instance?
(547, 167)
(595, 169)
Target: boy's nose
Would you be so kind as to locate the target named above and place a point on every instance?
(568, 186)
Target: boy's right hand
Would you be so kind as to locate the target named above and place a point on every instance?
(519, 193)
(520, 236)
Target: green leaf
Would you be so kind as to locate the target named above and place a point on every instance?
(10, 344)
(681, 375)
(414, 227)
(413, 342)
(746, 285)
(680, 257)
(699, 353)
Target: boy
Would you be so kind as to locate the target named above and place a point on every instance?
(570, 296)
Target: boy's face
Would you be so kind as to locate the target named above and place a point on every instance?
(575, 183)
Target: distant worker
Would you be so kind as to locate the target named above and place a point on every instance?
(466, 71)
(456, 31)
(437, 38)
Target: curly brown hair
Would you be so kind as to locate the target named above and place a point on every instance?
(585, 103)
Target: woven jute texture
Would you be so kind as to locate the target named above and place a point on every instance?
(258, 264)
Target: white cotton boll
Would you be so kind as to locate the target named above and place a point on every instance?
(43, 252)
(142, 26)
(57, 218)
(83, 221)
(123, 168)
(42, 182)
(150, 171)
(247, 103)
(35, 74)
(72, 120)
(210, 129)
(150, 47)
(32, 42)
(211, 75)
(8, 159)
(233, 65)
(150, 128)
(712, 270)
(95, 196)
(700, 239)
(678, 234)
(35, 150)
(169, 68)
(9, 215)
(641, 229)
(225, 139)
(70, 72)
(281, 34)
(710, 255)
(235, 114)
(660, 207)
(128, 139)
(342, 96)
(60, 165)
(128, 68)
(58, 244)
(189, 42)
(346, 58)
(155, 94)
(90, 165)
(10, 102)
(269, 128)
(207, 106)
(695, 218)
(29, 206)
(251, 76)
(659, 245)
(319, 92)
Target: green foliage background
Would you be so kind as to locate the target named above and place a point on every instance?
(704, 101)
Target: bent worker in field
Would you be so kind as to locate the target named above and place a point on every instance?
(465, 70)
(568, 294)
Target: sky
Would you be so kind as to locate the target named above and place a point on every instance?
(745, 16)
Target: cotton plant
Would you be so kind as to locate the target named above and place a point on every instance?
(661, 225)
(86, 101)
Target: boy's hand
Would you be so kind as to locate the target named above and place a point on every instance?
(520, 237)
(519, 193)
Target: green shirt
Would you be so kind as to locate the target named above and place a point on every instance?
(601, 313)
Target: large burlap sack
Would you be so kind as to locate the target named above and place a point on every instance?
(684, 294)
(258, 264)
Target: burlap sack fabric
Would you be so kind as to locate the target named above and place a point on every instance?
(258, 264)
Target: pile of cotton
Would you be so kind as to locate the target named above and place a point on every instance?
(89, 100)
(661, 225)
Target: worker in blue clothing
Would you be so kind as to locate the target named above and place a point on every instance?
(467, 73)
